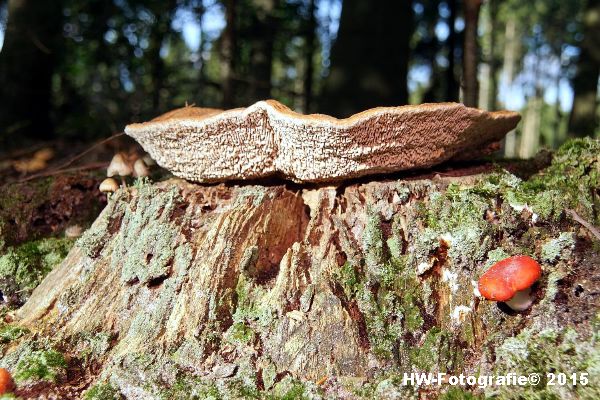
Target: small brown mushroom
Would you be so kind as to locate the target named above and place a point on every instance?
(119, 166)
(109, 185)
(140, 169)
(73, 231)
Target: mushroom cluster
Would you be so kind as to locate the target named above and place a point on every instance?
(510, 281)
(121, 165)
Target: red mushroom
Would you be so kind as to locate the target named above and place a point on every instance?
(505, 279)
(7, 384)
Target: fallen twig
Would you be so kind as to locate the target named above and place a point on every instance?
(97, 165)
(78, 156)
(63, 167)
(594, 231)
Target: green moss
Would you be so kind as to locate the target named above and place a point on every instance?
(45, 365)
(347, 277)
(102, 391)
(566, 183)
(249, 306)
(23, 267)
(240, 333)
(455, 393)
(292, 389)
(191, 388)
(8, 333)
(373, 245)
(434, 352)
(553, 249)
(91, 346)
(549, 351)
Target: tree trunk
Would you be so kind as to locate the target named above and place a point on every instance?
(451, 81)
(471, 53)
(584, 114)
(530, 136)
(32, 41)
(369, 31)
(309, 58)
(158, 34)
(182, 290)
(511, 50)
(228, 54)
(261, 39)
(489, 84)
(199, 12)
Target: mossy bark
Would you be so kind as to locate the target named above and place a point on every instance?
(188, 291)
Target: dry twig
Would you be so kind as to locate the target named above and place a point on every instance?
(593, 230)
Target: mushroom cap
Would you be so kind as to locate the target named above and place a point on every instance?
(508, 276)
(139, 168)
(118, 166)
(7, 384)
(109, 185)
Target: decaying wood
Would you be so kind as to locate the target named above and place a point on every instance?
(267, 138)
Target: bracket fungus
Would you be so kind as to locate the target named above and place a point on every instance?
(267, 138)
(510, 281)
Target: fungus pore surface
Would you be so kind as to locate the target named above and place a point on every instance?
(267, 138)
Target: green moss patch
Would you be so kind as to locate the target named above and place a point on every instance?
(23, 267)
(102, 391)
(41, 365)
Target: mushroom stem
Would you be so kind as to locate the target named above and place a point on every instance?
(521, 301)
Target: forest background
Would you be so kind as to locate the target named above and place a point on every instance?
(80, 70)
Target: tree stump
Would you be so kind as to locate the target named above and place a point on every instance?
(181, 290)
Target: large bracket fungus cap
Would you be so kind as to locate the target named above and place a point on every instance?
(267, 138)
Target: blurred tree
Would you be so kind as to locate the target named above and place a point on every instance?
(584, 114)
(32, 46)
(261, 24)
(228, 56)
(451, 81)
(311, 31)
(369, 59)
(162, 14)
(471, 53)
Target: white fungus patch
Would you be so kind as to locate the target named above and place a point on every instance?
(451, 278)
(423, 267)
(459, 314)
